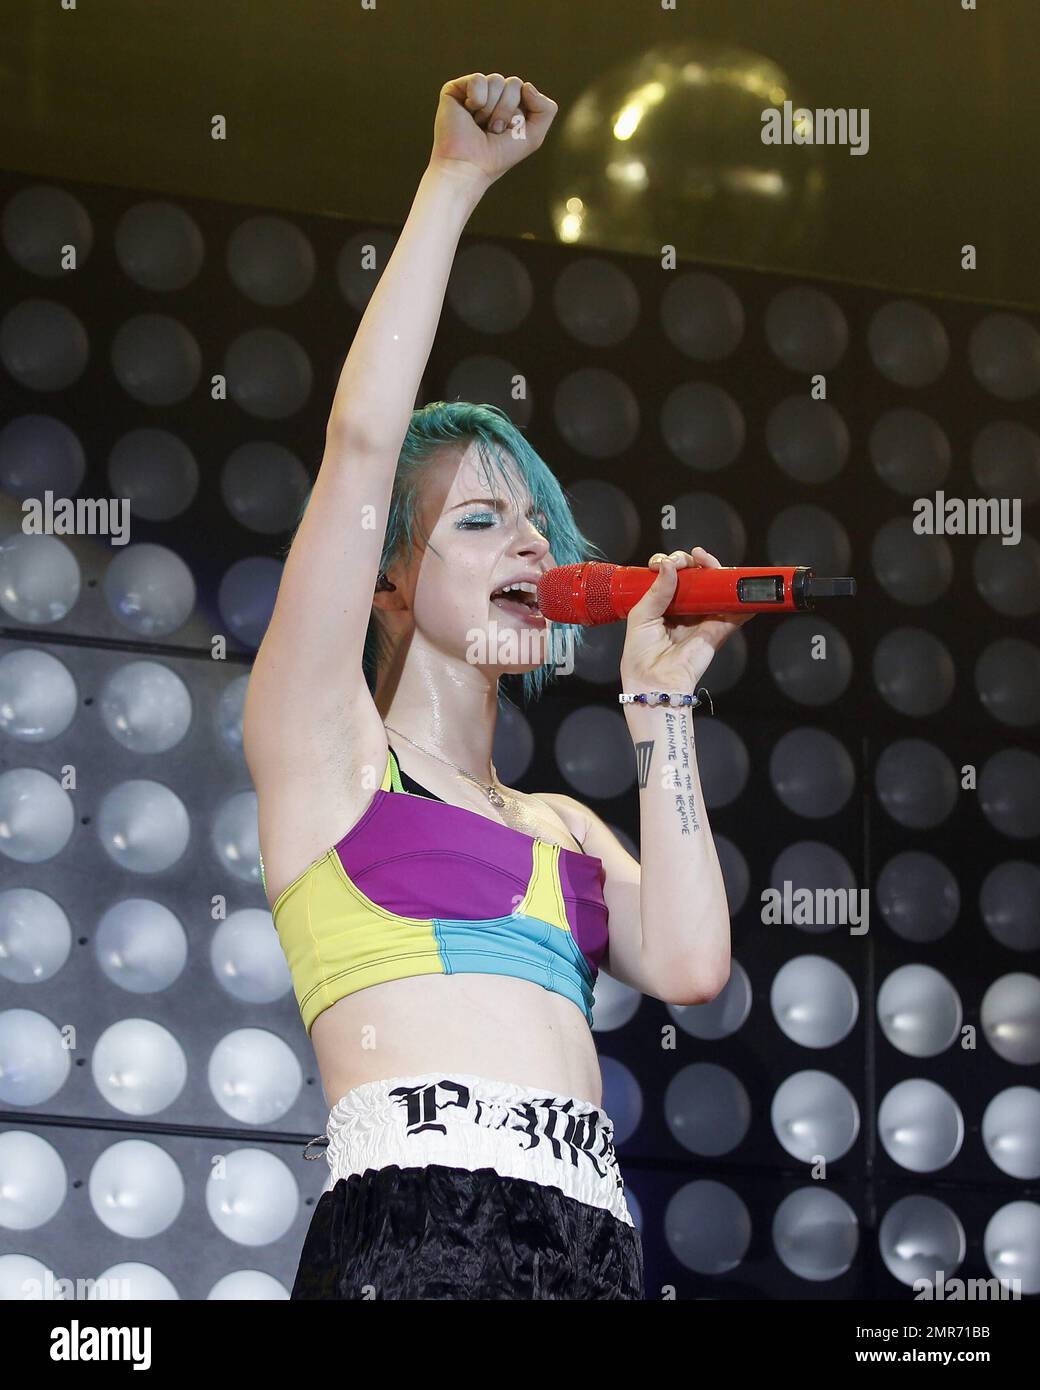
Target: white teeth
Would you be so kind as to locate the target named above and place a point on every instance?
(527, 587)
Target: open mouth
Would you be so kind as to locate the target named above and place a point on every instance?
(521, 599)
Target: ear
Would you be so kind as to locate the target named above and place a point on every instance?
(385, 595)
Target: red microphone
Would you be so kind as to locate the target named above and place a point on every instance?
(597, 592)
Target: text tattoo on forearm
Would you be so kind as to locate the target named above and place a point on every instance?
(676, 774)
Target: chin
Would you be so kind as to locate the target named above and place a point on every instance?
(507, 647)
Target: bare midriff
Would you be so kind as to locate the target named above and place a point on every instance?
(496, 1026)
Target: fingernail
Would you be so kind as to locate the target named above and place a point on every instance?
(498, 126)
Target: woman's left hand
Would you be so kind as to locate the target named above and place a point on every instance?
(672, 653)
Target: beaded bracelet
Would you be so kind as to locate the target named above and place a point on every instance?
(661, 697)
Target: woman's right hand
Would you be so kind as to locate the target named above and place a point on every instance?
(486, 123)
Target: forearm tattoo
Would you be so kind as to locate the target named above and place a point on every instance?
(644, 752)
(678, 775)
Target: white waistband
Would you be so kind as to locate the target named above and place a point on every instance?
(466, 1121)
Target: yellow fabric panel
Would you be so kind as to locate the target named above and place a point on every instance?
(544, 898)
(337, 941)
(387, 783)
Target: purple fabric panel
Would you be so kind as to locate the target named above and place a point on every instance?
(581, 877)
(467, 867)
(429, 859)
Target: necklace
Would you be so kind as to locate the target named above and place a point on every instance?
(493, 795)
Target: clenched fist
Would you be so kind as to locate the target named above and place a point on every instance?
(486, 123)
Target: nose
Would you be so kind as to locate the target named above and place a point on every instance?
(532, 542)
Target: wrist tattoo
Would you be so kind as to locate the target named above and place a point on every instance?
(679, 775)
(644, 752)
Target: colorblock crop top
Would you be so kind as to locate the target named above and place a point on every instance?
(421, 887)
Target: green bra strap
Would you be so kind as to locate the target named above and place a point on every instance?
(395, 774)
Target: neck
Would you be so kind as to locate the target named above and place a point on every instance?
(448, 709)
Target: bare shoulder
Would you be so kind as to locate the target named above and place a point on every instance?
(574, 815)
(593, 833)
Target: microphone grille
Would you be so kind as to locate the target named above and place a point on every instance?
(567, 591)
(597, 591)
(555, 589)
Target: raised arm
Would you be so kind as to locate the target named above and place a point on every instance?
(309, 665)
(384, 367)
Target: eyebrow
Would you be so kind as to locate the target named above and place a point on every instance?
(495, 501)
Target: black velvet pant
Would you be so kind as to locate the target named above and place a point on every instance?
(448, 1233)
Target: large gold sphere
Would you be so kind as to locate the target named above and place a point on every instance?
(668, 150)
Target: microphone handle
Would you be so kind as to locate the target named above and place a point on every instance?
(737, 589)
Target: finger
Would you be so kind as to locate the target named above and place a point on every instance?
(495, 85)
(659, 595)
(702, 557)
(539, 109)
(536, 103)
(505, 106)
(470, 92)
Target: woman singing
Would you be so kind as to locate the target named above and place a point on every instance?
(444, 931)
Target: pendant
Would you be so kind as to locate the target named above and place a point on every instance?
(496, 798)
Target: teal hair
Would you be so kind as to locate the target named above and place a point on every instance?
(451, 422)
